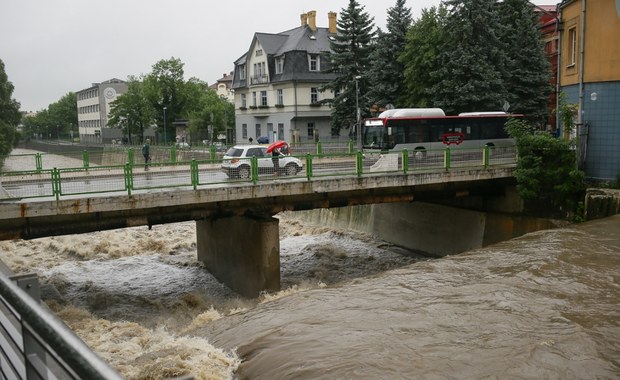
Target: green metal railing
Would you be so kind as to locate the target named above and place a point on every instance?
(168, 173)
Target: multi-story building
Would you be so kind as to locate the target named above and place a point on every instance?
(277, 84)
(223, 87)
(93, 106)
(589, 68)
(548, 26)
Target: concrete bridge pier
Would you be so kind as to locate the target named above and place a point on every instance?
(242, 252)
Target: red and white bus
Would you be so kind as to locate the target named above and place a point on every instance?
(422, 129)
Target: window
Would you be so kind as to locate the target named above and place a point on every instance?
(281, 131)
(244, 101)
(279, 65)
(572, 46)
(314, 95)
(314, 62)
(258, 134)
(254, 98)
(263, 98)
(270, 131)
(242, 72)
(244, 131)
(279, 96)
(310, 131)
(259, 52)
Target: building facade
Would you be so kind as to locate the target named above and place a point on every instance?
(93, 106)
(223, 87)
(277, 84)
(548, 23)
(590, 77)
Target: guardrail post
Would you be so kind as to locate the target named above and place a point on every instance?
(405, 161)
(213, 154)
(254, 164)
(359, 164)
(319, 148)
(38, 161)
(485, 156)
(446, 159)
(128, 178)
(308, 166)
(173, 154)
(56, 188)
(130, 156)
(194, 173)
(85, 159)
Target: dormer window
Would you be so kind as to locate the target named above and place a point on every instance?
(314, 62)
(279, 65)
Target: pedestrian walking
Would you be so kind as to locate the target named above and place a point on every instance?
(146, 152)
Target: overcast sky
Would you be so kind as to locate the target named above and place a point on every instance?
(53, 47)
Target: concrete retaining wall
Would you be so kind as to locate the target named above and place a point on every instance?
(601, 203)
(435, 230)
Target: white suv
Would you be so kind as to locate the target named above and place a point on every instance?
(237, 162)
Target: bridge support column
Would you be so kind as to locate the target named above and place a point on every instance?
(242, 252)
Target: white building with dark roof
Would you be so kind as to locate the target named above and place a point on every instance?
(276, 84)
(93, 106)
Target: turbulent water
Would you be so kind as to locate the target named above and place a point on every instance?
(546, 305)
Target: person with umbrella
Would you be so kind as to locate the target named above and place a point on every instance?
(274, 149)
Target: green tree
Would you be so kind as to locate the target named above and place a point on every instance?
(386, 73)
(37, 126)
(420, 58)
(9, 115)
(164, 87)
(62, 116)
(546, 171)
(350, 58)
(132, 112)
(208, 113)
(527, 70)
(472, 59)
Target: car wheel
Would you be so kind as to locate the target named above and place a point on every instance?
(244, 172)
(290, 169)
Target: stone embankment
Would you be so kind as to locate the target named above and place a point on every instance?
(601, 203)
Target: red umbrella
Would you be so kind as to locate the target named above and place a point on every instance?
(276, 145)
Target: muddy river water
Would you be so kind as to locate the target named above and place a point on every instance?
(542, 306)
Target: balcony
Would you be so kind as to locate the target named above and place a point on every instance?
(259, 79)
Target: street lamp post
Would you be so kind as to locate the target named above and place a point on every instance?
(357, 120)
(165, 125)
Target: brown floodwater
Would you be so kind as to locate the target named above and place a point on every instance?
(543, 306)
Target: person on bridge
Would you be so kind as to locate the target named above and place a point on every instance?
(275, 158)
(146, 152)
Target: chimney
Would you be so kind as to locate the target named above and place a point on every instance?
(332, 22)
(304, 19)
(312, 20)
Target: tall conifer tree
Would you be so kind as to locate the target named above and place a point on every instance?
(420, 58)
(387, 71)
(472, 59)
(527, 72)
(350, 58)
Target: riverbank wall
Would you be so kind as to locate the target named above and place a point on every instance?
(601, 203)
(431, 229)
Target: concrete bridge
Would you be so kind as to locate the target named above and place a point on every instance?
(237, 235)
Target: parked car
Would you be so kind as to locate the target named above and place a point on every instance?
(236, 162)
